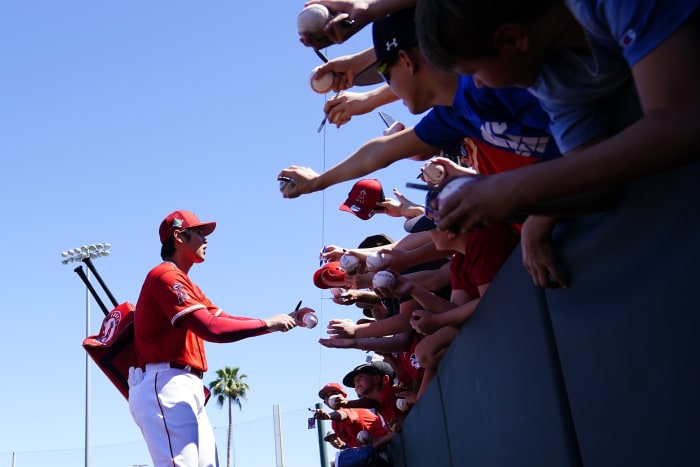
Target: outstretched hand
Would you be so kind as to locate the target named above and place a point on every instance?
(347, 18)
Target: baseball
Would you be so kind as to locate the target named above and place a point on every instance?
(334, 401)
(310, 320)
(402, 404)
(364, 437)
(312, 19)
(433, 173)
(383, 279)
(451, 187)
(337, 291)
(349, 263)
(374, 261)
(286, 183)
(322, 84)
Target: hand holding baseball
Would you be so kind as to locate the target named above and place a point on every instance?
(305, 181)
(396, 287)
(282, 322)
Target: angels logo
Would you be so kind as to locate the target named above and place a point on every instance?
(414, 361)
(181, 293)
(361, 197)
(109, 327)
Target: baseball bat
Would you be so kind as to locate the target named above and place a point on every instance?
(88, 261)
(79, 270)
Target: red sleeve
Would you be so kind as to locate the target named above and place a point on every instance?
(222, 328)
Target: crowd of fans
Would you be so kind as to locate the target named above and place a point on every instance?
(535, 111)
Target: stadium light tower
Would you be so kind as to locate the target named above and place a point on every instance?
(78, 255)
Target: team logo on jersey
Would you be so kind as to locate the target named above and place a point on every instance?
(109, 327)
(496, 133)
(181, 293)
(414, 361)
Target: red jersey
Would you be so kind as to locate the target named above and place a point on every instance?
(486, 251)
(487, 159)
(408, 368)
(358, 420)
(166, 296)
(387, 404)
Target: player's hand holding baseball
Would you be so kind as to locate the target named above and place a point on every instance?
(305, 181)
(281, 322)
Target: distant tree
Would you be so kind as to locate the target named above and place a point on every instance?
(229, 387)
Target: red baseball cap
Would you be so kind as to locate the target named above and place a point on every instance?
(363, 198)
(331, 387)
(329, 275)
(180, 220)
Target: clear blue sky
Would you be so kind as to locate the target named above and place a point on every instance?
(115, 114)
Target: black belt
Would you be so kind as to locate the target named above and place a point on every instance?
(194, 371)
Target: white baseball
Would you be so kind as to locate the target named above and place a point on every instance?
(364, 437)
(334, 401)
(374, 260)
(312, 19)
(349, 263)
(402, 404)
(433, 173)
(322, 84)
(284, 184)
(383, 279)
(451, 187)
(310, 320)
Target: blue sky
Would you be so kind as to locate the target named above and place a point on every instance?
(115, 114)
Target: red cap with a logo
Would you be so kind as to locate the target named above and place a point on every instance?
(363, 198)
(180, 220)
(335, 388)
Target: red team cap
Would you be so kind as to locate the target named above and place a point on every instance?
(329, 275)
(363, 198)
(180, 220)
(331, 387)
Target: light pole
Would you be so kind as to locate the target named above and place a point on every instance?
(79, 255)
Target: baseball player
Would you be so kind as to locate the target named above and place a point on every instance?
(173, 318)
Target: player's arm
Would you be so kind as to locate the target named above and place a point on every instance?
(221, 327)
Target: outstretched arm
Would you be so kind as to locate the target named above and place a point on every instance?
(373, 155)
(223, 328)
(350, 16)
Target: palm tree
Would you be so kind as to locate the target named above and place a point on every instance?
(229, 386)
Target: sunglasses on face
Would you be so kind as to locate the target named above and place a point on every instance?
(383, 70)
